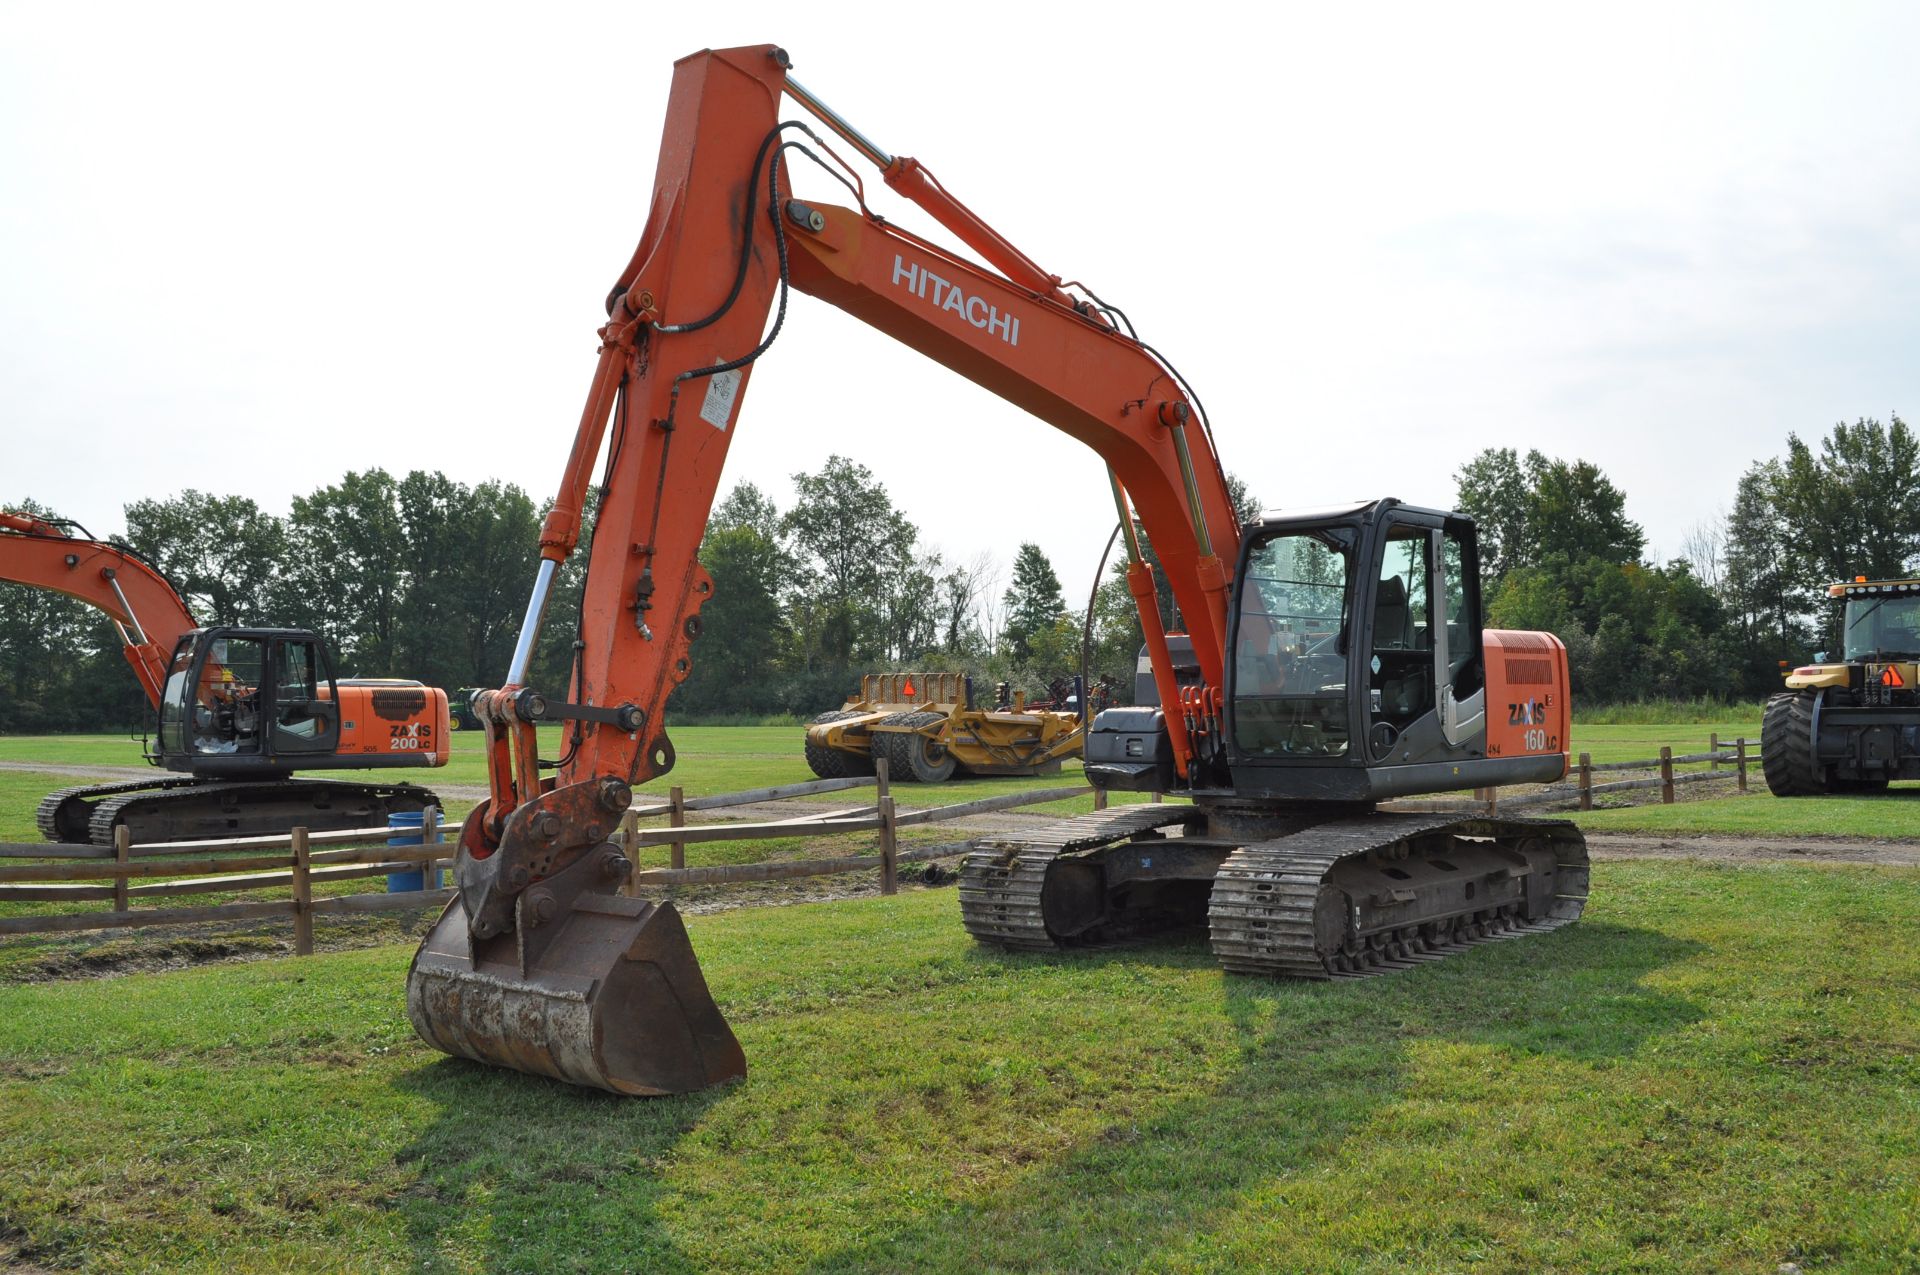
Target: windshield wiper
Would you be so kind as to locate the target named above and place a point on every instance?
(1855, 621)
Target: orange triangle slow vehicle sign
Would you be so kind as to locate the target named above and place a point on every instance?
(910, 691)
(1892, 677)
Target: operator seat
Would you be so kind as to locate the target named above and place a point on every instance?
(1399, 681)
(1391, 617)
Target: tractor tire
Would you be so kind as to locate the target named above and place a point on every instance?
(915, 757)
(1786, 747)
(831, 763)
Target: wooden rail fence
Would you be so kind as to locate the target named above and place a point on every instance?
(1726, 764)
(298, 861)
(126, 874)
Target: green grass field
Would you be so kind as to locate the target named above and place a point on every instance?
(1718, 1070)
(1892, 817)
(711, 759)
(733, 758)
(717, 759)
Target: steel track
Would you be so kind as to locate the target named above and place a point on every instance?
(1270, 899)
(183, 802)
(47, 816)
(1002, 880)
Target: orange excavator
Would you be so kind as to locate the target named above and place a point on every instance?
(1331, 658)
(238, 711)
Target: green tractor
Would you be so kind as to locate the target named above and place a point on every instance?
(1852, 726)
(460, 709)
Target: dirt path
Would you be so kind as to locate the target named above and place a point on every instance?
(83, 772)
(1624, 845)
(1604, 845)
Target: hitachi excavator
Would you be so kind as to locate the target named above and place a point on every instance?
(239, 710)
(1331, 658)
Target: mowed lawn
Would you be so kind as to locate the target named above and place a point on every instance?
(733, 758)
(719, 759)
(710, 760)
(1717, 1070)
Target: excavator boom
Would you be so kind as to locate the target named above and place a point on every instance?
(725, 238)
(150, 616)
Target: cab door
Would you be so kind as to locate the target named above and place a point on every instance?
(305, 710)
(1399, 653)
(1423, 662)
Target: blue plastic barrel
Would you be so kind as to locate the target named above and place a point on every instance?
(408, 829)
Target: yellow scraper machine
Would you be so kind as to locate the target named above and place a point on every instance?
(929, 729)
(1337, 656)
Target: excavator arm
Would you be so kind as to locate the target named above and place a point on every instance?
(688, 316)
(149, 614)
(725, 237)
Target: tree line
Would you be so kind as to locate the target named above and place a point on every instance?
(1745, 592)
(424, 576)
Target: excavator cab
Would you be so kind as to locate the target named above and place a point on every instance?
(1359, 671)
(248, 702)
(1360, 665)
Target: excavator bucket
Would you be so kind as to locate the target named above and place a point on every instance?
(597, 989)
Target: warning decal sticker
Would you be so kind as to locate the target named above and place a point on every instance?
(722, 389)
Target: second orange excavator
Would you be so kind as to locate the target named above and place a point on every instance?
(237, 711)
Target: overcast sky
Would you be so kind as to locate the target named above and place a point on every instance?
(249, 248)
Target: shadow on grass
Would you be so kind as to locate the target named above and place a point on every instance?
(1316, 1061)
(519, 1172)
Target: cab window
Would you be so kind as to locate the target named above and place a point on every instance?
(1290, 645)
(226, 711)
(297, 714)
(1401, 663)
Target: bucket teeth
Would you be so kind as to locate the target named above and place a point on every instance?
(611, 997)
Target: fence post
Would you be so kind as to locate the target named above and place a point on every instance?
(629, 833)
(1488, 797)
(882, 781)
(1158, 796)
(1100, 798)
(889, 848)
(1666, 774)
(1713, 746)
(677, 818)
(1741, 748)
(430, 836)
(302, 896)
(122, 844)
(1586, 781)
